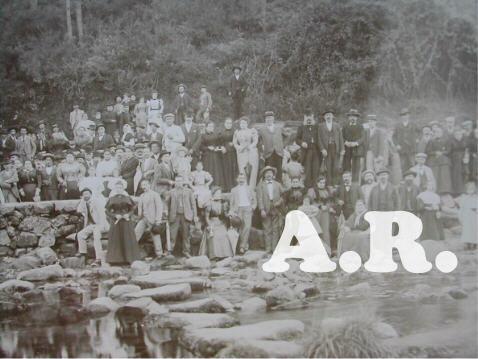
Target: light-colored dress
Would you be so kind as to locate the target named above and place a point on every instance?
(292, 170)
(245, 142)
(468, 216)
(181, 166)
(107, 168)
(202, 192)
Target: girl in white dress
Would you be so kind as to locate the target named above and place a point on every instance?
(468, 215)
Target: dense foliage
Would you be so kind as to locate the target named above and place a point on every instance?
(372, 55)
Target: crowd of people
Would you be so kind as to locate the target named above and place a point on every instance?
(196, 186)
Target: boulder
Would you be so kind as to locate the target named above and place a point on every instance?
(121, 280)
(102, 305)
(119, 290)
(384, 331)
(4, 238)
(45, 273)
(280, 295)
(251, 257)
(199, 262)
(226, 262)
(166, 293)
(139, 268)
(47, 239)
(44, 207)
(206, 305)
(360, 288)
(3, 222)
(65, 230)
(68, 206)
(253, 305)
(46, 255)
(14, 218)
(60, 220)
(158, 278)
(72, 262)
(5, 251)
(457, 293)
(69, 273)
(68, 249)
(261, 287)
(192, 320)
(71, 295)
(106, 272)
(14, 285)
(207, 342)
(27, 239)
(308, 289)
(26, 262)
(37, 225)
(220, 272)
(262, 349)
(147, 305)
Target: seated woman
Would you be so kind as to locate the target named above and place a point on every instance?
(28, 183)
(429, 212)
(218, 241)
(355, 232)
(69, 174)
(108, 167)
(122, 245)
(313, 213)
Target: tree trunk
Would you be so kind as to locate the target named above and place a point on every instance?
(79, 19)
(68, 20)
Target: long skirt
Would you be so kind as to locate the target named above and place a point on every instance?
(122, 245)
(457, 173)
(71, 191)
(354, 240)
(30, 190)
(220, 242)
(230, 169)
(432, 228)
(442, 175)
(213, 164)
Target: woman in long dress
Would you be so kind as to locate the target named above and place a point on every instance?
(457, 156)
(122, 245)
(229, 158)
(8, 183)
(245, 141)
(69, 174)
(212, 149)
(355, 232)
(428, 203)
(218, 240)
(108, 167)
(312, 211)
(28, 183)
(437, 150)
(468, 215)
(201, 180)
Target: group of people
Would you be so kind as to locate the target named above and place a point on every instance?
(197, 186)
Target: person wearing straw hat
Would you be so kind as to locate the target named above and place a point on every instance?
(269, 201)
(405, 139)
(92, 208)
(353, 134)
(183, 102)
(163, 175)
(383, 196)
(47, 179)
(237, 91)
(123, 247)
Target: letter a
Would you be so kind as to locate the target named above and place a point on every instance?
(310, 247)
(382, 242)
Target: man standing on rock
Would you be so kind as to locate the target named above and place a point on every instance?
(150, 212)
(94, 222)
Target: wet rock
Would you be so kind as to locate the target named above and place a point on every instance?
(71, 295)
(14, 285)
(43, 207)
(384, 331)
(457, 293)
(66, 206)
(147, 305)
(220, 271)
(25, 262)
(253, 305)
(363, 287)
(226, 262)
(68, 249)
(199, 262)
(37, 225)
(261, 287)
(69, 273)
(308, 289)
(251, 257)
(45, 273)
(139, 268)
(4, 238)
(5, 251)
(3, 222)
(20, 252)
(102, 305)
(280, 295)
(174, 292)
(33, 296)
(207, 342)
(59, 220)
(70, 315)
(261, 349)
(119, 290)
(72, 262)
(27, 239)
(192, 320)
(47, 239)
(65, 230)
(206, 305)
(46, 255)
(12, 233)
(14, 218)
(106, 272)
(121, 280)
(158, 278)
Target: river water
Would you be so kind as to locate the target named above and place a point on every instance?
(389, 297)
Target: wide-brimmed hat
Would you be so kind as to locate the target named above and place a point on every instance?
(404, 111)
(267, 168)
(366, 172)
(353, 112)
(114, 181)
(409, 173)
(181, 85)
(269, 113)
(421, 155)
(383, 170)
(164, 153)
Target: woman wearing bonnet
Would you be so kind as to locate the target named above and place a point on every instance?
(122, 245)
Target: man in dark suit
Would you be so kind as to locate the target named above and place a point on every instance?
(269, 202)
(308, 138)
(383, 196)
(273, 147)
(374, 142)
(163, 175)
(47, 180)
(42, 138)
(192, 134)
(237, 90)
(128, 169)
(155, 135)
(332, 146)
(405, 138)
(102, 140)
(408, 192)
(182, 214)
(348, 194)
(10, 143)
(354, 135)
(183, 103)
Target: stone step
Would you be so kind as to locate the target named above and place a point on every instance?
(192, 320)
(206, 305)
(165, 293)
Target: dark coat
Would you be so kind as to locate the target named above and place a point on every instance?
(263, 200)
(106, 142)
(189, 204)
(406, 137)
(412, 196)
(310, 135)
(324, 135)
(237, 88)
(355, 193)
(392, 199)
(354, 133)
(193, 138)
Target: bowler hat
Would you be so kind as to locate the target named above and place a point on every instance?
(329, 110)
(86, 189)
(46, 154)
(383, 170)
(421, 155)
(163, 153)
(139, 146)
(267, 168)
(409, 173)
(269, 113)
(181, 85)
(353, 112)
(404, 111)
(366, 172)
